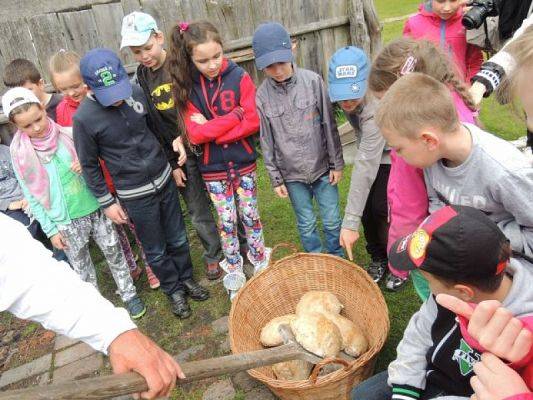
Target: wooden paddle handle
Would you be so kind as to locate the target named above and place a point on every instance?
(108, 386)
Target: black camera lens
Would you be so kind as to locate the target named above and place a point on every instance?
(475, 17)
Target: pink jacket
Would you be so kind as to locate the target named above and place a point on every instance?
(523, 396)
(450, 35)
(406, 191)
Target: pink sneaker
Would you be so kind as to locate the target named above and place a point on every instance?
(152, 279)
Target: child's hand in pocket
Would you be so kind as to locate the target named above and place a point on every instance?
(281, 191)
(58, 241)
(198, 118)
(76, 167)
(335, 177)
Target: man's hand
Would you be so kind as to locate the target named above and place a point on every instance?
(116, 214)
(335, 177)
(281, 191)
(133, 351)
(198, 118)
(24, 204)
(347, 239)
(477, 90)
(58, 241)
(179, 177)
(76, 167)
(493, 326)
(495, 381)
(178, 147)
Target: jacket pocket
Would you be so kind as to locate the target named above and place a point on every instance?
(273, 111)
(247, 146)
(308, 111)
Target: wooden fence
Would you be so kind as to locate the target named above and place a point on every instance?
(37, 29)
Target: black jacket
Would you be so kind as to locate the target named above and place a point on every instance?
(164, 131)
(122, 138)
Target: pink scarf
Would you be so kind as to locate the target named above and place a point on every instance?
(29, 155)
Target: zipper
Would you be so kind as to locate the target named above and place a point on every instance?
(247, 146)
(441, 343)
(206, 153)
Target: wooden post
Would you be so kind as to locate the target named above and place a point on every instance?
(365, 30)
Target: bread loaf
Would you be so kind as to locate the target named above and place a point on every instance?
(354, 342)
(318, 301)
(270, 333)
(294, 370)
(317, 334)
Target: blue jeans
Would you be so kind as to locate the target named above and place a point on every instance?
(160, 227)
(376, 388)
(327, 197)
(37, 233)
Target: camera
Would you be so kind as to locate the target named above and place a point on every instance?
(479, 11)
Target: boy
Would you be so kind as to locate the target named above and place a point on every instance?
(299, 138)
(461, 252)
(462, 163)
(111, 124)
(145, 40)
(367, 198)
(24, 73)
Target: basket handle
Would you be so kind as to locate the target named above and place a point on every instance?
(290, 246)
(318, 367)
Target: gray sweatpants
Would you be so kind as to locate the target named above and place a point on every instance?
(101, 229)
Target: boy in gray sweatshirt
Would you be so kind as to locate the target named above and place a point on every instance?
(461, 252)
(462, 164)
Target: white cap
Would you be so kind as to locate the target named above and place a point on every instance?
(16, 97)
(136, 29)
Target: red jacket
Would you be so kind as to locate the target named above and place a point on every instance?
(228, 104)
(65, 114)
(450, 35)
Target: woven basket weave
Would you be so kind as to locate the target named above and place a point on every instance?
(277, 290)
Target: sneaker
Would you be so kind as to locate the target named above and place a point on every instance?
(152, 279)
(395, 283)
(263, 264)
(180, 306)
(376, 270)
(135, 307)
(213, 271)
(195, 291)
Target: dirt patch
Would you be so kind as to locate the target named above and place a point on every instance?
(22, 342)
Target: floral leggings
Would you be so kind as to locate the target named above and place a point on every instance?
(232, 196)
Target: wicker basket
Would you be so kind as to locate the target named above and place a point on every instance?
(277, 290)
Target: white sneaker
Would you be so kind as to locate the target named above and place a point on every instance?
(260, 265)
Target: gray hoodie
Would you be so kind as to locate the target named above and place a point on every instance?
(497, 179)
(299, 136)
(9, 188)
(432, 348)
(372, 151)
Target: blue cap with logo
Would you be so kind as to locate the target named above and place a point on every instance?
(136, 29)
(348, 74)
(271, 44)
(105, 75)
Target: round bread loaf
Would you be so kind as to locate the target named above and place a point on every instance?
(354, 341)
(318, 301)
(270, 333)
(294, 370)
(317, 334)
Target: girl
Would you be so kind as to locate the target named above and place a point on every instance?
(440, 22)
(217, 102)
(48, 170)
(66, 77)
(406, 191)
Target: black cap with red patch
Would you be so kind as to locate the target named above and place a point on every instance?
(454, 242)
